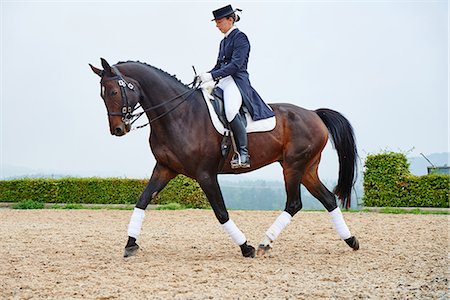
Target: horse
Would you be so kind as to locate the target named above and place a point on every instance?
(184, 141)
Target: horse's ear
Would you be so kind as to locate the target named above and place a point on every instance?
(106, 67)
(96, 71)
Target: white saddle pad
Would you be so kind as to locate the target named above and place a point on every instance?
(252, 126)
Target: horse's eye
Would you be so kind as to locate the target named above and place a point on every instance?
(113, 93)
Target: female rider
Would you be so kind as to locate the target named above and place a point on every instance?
(230, 73)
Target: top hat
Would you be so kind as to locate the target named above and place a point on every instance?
(223, 12)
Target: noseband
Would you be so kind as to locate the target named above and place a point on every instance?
(126, 113)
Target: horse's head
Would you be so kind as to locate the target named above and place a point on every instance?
(120, 94)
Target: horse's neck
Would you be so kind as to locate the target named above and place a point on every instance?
(168, 98)
(158, 88)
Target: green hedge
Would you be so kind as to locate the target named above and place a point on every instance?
(388, 183)
(182, 190)
(185, 191)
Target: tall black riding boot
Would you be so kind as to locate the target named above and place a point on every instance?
(240, 136)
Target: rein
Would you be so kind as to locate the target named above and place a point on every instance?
(127, 111)
(138, 115)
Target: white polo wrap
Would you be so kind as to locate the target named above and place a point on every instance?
(277, 227)
(134, 228)
(339, 223)
(233, 231)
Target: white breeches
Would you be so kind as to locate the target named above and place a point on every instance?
(232, 97)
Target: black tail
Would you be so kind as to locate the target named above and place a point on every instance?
(343, 140)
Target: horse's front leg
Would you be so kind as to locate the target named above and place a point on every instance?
(210, 186)
(160, 177)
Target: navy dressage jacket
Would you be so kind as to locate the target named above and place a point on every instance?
(232, 60)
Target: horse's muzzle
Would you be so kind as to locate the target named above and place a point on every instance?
(120, 129)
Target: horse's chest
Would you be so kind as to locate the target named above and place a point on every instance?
(166, 153)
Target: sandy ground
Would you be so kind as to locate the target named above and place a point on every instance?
(186, 255)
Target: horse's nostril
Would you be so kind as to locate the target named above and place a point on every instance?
(118, 131)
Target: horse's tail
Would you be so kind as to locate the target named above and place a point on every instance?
(343, 139)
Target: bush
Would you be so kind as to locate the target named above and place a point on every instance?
(72, 190)
(39, 190)
(181, 189)
(388, 183)
(184, 191)
(28, 204)
(170, 206)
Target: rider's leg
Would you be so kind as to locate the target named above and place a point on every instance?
(232, 97)
(233, 102)
(240, 135)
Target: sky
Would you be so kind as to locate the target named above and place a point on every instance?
(382, 64)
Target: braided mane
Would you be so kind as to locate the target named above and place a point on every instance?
(173, 77)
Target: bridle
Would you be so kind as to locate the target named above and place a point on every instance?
(127, 110)
(128, 118)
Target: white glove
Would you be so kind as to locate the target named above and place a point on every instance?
(205, 77)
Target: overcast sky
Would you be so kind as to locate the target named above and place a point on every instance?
(383, 64)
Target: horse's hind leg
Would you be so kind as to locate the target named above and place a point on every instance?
(293, 205)
(312, 182)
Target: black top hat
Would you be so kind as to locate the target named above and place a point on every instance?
(224, 12)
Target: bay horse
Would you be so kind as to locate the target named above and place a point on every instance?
(184, 141)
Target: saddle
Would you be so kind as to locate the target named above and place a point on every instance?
(217, 102)
(214, 100)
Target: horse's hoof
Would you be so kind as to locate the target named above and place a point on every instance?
(247, 250)
(352, 242)
(263, 249)
(130, 251)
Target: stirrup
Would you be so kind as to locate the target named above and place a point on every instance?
(236, 162)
